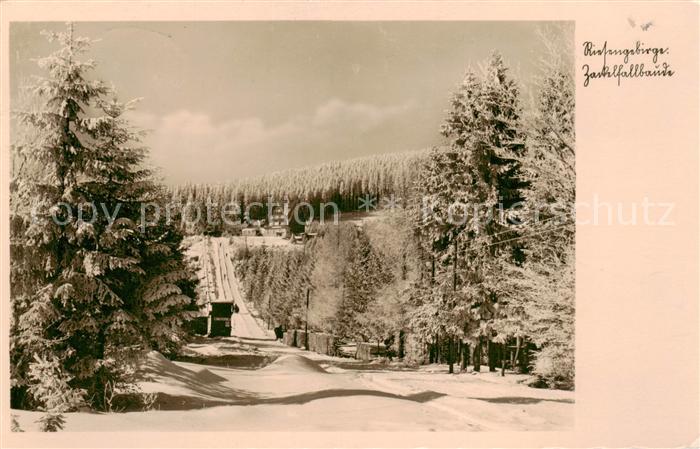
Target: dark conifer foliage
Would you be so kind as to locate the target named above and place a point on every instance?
(85, 282)
(343, 183)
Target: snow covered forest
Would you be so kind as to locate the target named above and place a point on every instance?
(465, 290)
(463, 261)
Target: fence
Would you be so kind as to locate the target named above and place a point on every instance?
(318, 342)
(368, 351)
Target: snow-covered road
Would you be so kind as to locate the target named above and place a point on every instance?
(243, 323)
(241, 384)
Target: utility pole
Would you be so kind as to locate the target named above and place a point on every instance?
(454, 292)
(306, 329)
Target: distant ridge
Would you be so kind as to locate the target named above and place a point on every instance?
(383, 174)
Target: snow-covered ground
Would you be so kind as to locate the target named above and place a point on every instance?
(197, 250)
(268, 240)
(252, 382)
(256, 384)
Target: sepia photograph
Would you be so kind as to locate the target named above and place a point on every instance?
(298, 226)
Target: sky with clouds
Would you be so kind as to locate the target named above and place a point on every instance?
(223, 100)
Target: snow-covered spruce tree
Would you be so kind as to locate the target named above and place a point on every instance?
(257, 272)
(77, 251)
(47, 257)
(162, 297)
(330, 256)
(393, 240)
(541, 291)
(281, 302)
(485, 122)
(261, 269)
(362, 277)
(276, 281)
(49, 381)
(440, 312)
(300, 266)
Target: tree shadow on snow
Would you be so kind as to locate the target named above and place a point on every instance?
(303, 398)
(168, 402)
(203, 382)
(256, 339)
(521, 401)
(369, 367)
(234, 361)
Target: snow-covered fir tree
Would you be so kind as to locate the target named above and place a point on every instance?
(541, 291)
(364, 274)
(78, 255)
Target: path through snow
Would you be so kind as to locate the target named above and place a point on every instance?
(295, 390)
(243, 323)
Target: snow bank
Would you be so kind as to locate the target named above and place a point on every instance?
(172, 380)
(294, 364)
(295, 393)
(204, 375)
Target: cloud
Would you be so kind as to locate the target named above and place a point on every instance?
(191, 146)
(361, 116)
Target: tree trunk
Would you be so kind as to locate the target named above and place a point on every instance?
(465, 356)
(402, 345)
(458, 352)
(477, 356)
(404, 267)
(306, 321)
(503, 358)
(454, 267)
(450, 355)
(524, 358)
(491, 349)
(437, 348)
(269, 311)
